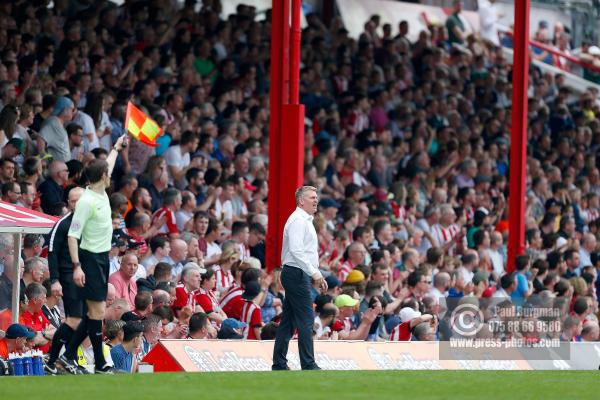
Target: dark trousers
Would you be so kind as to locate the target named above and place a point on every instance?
(297, 314)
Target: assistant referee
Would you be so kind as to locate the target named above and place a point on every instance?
(61, 276)
(300, 260)
(92, 225)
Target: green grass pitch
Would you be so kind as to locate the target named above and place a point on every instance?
(339, 385)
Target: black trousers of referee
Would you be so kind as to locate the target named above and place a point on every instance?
(297, 314)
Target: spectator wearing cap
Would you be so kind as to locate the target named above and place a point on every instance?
(330, 210)
(232, 329)
(123, 280)
(14, 149)
(123, 355)
(53, 129)
(251, 314)
(15, 340)
(343, 325)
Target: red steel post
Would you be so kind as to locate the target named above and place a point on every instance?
(518, 146)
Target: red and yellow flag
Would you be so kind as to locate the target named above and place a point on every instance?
(141, 127)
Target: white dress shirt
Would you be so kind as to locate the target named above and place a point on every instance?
(488, 17)
(300, 244)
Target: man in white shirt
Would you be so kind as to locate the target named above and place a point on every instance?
(488, 18)
(178, 159)
(496, 255)
(588, 245)
(300, 259)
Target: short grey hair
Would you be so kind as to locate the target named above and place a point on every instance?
(32, 263)
(189, 268)
(302, 190)
(35, 290)
(5, 241)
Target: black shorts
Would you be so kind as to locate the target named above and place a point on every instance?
(96, 267)
(72, 300)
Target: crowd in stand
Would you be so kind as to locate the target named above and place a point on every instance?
(406, 141)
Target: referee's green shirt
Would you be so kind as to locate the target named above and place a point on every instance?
(92, 223)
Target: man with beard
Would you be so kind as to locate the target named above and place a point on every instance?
(196, 183)
(141, 202)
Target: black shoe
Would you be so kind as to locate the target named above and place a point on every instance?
(313, 368)
(108, 370)
(83, 370)
(279, 368)
(70, 366)
(50, 369)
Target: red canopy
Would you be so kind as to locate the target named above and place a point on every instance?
(16, 219)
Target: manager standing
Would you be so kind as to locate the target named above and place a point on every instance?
(300, 261)
(92, 224)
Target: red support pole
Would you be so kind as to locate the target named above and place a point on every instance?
(272, 244)
(518, 146)
(285, 62)
(286, 152)
(296, 33)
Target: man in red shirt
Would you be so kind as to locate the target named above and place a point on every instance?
(186, 291)
(171, 203)
(15, 340)
(232, 301)
(251, 311)
(34, 318)
(410, 318)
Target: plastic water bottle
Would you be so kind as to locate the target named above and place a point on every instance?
(27, 365)
(17, 364)
(38, 364)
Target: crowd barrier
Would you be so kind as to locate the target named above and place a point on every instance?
(235, 355)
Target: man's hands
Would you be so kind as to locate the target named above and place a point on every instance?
(56, 289)
(121, 143)
(320, 282)
(79, 277)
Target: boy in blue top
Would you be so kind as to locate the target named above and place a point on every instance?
(123, 355)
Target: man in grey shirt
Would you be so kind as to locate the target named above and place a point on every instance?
(53, 130)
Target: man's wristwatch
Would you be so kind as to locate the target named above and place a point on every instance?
(76, 265)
